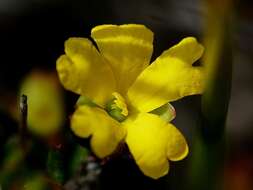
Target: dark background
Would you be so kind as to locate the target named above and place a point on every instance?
(32, 33)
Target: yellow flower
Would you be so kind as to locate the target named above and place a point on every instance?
(45, 103)
(119, 80)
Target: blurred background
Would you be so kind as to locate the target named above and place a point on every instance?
(32, 34)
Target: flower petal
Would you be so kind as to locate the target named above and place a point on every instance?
(128, 48)
(147, 139)
(169, 78)
(177, 147)
(106, 132)
(84, 71)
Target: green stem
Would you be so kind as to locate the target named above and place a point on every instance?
(209, 146)
(23, 123)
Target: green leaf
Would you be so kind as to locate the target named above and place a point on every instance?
(79, 156)
(55, 165)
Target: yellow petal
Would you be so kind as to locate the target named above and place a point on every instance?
(84, 71)
(147, 139)
(169, 78)
(177, 147)
(106, 132)
(128, 48)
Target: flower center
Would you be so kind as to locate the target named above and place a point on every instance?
(117, 107)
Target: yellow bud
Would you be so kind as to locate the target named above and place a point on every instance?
(45, 103)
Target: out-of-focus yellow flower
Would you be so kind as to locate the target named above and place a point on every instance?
(128, 92)
(35, 181)
(45, 103)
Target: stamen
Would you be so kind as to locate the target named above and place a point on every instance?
(117, 107)
(120, 103)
